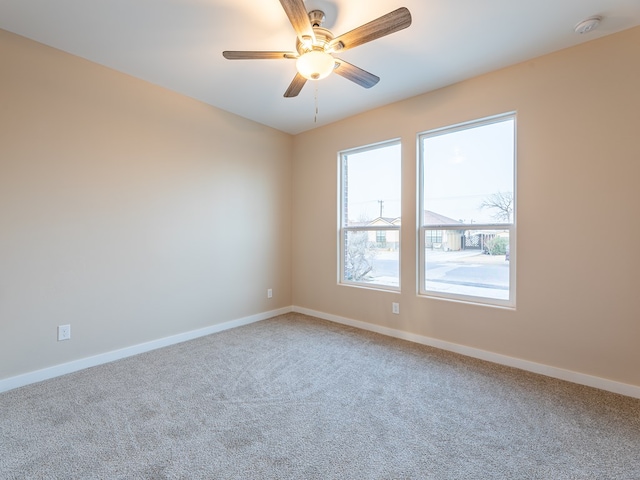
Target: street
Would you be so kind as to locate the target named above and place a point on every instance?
(459, 272)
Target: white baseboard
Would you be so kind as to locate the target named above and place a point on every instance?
(75, 365)
(559, 373)
(555, 372)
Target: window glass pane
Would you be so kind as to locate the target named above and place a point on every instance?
(365, 261)
(468, 262)
(371, 186)
(370, 215)
(467, 193)
(469, 174)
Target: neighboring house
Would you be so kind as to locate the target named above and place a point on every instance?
(386, 239)
(436, 239)
(455, 240)
(446, 240)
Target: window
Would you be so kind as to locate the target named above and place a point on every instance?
(433, 237)
(369, 233)
(467, 212)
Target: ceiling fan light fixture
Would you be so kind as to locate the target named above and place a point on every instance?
(315, 45)
(315, 65)
(306, 41)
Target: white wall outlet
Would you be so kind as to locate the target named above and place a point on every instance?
(64, 332)
(395, 308)
(269, 293)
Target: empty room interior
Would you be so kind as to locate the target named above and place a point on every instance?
(298, 256)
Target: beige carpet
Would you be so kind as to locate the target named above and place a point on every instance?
(299, 398)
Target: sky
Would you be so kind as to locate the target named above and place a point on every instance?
(374, 175)
(462, 168)
(465, 167)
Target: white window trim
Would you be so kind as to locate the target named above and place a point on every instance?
(342, 230)
(511, 227)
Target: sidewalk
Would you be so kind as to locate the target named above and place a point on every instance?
(440, 255)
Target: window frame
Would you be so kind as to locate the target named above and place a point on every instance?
(423, 228)
(343, 229)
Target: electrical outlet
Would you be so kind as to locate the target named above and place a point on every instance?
(64, 332)
(269, 293)
(395, 308)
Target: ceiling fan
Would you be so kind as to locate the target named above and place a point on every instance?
(315, 46)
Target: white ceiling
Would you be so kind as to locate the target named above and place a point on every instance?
(178, 44)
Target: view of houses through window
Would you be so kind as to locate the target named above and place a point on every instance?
(370, 216)
(466, 212)
(467, 230)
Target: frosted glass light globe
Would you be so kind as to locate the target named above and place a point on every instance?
(315, 65)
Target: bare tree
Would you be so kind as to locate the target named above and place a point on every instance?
(359, 256)
(501, 204)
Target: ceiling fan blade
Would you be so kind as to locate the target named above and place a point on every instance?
(295, 87)
(380, 27)
(355, 74)
(299, 18)
(249, 55)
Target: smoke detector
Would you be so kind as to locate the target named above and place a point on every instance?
(587, 25)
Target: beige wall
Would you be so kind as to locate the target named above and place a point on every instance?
(128, 211)
(134, 213)
(578, 305)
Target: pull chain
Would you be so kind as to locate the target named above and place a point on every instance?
(315, 118)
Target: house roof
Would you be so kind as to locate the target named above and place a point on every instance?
(432, 218)
(385, 220)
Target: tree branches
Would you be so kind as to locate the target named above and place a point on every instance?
(501, 204)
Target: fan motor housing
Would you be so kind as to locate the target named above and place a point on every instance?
(323, 37)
